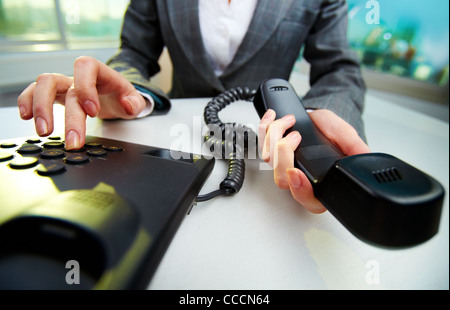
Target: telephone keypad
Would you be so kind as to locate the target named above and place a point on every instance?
(50, 157)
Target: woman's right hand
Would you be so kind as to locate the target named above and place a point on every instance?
(95, 90)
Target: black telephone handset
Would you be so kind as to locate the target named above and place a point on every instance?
(316, 154)
(377, 197)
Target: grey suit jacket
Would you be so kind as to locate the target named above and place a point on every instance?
(276, 35)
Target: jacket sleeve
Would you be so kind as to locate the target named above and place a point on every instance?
(141, 47)
(335, 77)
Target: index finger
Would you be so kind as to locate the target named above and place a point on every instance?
(75, 120)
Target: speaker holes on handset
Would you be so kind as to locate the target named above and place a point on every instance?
(387, 175)
(279, 88)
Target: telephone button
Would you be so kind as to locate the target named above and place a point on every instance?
(23, 162)
(93, 145)
(77, 159)
(54, 145)
(96, 152)
(5, 156)
(113, 148)
(7, 145)
(52, 154)
(50, 169)
(29, 149)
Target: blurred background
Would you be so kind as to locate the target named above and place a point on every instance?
(403, 45)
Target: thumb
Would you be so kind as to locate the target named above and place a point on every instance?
(133, 105)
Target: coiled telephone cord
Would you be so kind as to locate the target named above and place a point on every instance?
(228, 140)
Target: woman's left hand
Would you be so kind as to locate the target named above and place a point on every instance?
(278, 151)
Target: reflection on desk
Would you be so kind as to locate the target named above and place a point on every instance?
(261, 238)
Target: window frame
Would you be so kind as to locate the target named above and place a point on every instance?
(13, 46)
(374, 79)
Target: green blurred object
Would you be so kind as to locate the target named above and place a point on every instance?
(410, 39)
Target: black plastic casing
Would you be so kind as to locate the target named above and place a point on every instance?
(114, 214)
(316, 153)
(377, 197)
(382, 200)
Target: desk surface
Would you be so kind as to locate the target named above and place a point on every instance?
(261, 238)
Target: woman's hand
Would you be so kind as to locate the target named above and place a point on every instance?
(278, 151)
(94, 90)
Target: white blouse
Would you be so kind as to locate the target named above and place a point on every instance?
(223, 25)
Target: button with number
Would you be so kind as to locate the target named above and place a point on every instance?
(53, 145)
(52, 154)
(50, 169)
(113, 148)
(93, 145)
(29, 149)
(97, 152)
(77, 159)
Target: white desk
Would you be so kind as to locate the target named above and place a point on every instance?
(261, 238)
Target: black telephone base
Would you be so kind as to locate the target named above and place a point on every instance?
(109, 209)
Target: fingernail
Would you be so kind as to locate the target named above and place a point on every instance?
(294, 136)
(22, 111)
(72, 140)
(41, 126)
(293, 178)
(269, 114)
(131, 106)
(289, 118)
(90, 108)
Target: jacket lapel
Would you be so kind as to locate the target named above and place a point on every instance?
(268, 14)
(184, 18)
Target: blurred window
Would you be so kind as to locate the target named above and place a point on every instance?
(67, 22)
(28, 20)
(408, 38)
(93, 20)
